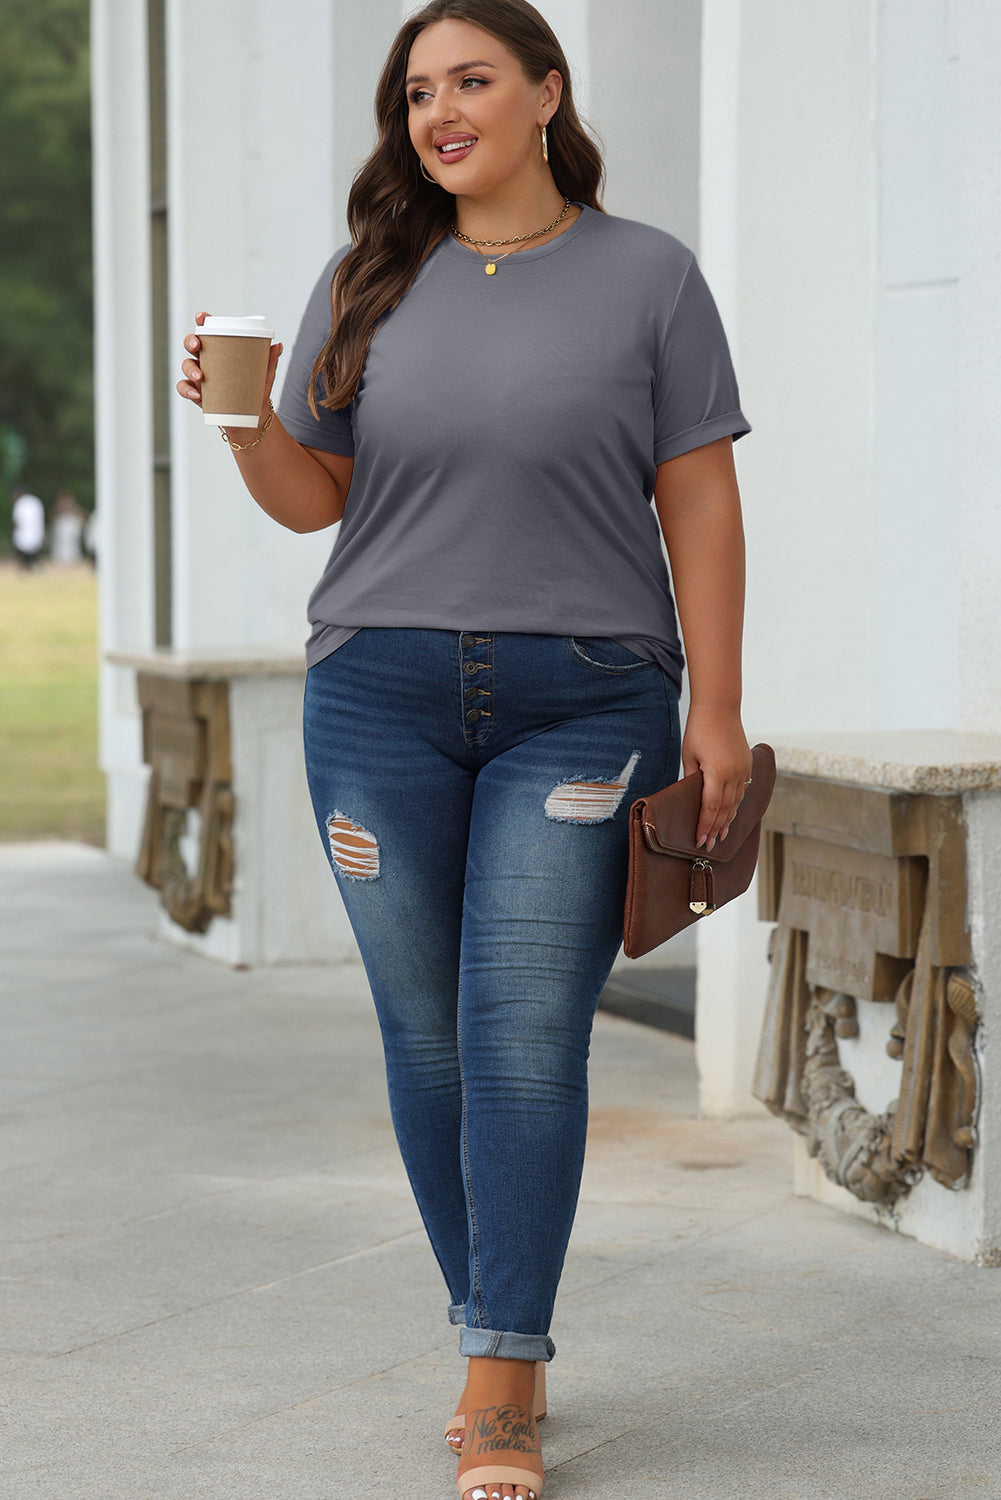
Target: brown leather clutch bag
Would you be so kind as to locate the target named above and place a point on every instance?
(672, 884)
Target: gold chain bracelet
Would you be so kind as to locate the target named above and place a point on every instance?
(243, 447)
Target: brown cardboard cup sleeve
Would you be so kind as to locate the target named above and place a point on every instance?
(234, 364)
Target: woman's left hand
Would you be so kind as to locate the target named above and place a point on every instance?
(716, 745)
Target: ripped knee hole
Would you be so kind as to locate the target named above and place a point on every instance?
(353, 849)
(590, 801)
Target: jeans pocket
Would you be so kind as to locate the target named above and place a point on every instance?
(604, 654)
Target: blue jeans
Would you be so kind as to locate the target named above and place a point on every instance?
(472, 791)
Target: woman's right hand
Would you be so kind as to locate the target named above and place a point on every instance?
(190, 386)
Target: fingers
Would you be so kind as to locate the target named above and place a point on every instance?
(718, 809)
(720, 801)
(189, 386)
(716, 745)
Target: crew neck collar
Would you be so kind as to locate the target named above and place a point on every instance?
(587, 215)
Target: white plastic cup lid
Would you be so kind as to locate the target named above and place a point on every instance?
(237, 327)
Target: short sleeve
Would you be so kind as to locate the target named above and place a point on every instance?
(332, 431)
(695, 388)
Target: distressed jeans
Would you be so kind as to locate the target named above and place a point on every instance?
(472, 791)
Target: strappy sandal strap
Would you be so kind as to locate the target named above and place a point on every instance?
(458, 1422)
(499, 1474)
(500, 1468)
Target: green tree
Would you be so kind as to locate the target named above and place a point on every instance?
(46, 345)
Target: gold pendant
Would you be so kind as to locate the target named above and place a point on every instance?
(490, 268)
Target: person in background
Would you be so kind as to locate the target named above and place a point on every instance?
(91, 537)
(65, 544)
(28, 528)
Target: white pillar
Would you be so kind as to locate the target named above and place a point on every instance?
(645, 106)
(572, 22)
(977, 518)
(787, 194)
(252, 221)
(123, 396)
(916, 390)
(269, 113)
(867, 329)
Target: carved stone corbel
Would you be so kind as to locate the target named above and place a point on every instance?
(885, 902)
(853, 1146)
(950, 1133)
(802, 1079)
(186, 742)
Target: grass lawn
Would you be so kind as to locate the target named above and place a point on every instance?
(50, 786)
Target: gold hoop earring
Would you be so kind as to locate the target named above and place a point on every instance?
(545, 145)
(425, 172)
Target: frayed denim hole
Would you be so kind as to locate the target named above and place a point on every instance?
(584, 801)
(353, 850)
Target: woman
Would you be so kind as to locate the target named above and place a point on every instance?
(508, 377)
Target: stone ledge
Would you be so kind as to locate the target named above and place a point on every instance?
(923, 760)
(211, 665)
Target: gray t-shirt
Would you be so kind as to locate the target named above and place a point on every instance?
(506, 434)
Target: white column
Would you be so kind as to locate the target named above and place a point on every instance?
(867, 331)
(572, 22)
(787, 198)
(645, 107)
(916, 390)
(123, 398)
(725, 1014)
(269, 115)
(719, 127)
(252, 221)
(977, 517)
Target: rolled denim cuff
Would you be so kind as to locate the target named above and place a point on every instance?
(479, 1343)
(457, 1314)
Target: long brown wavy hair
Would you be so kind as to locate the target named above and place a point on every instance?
(396, 216)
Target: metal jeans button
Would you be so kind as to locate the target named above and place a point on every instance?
(469, 640)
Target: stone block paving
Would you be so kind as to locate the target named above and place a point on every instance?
(215, 1283)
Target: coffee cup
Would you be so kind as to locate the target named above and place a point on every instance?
(234, 365)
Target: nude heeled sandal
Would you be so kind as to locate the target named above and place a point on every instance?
(458, 1422)
(484, 1482)
(489, 1478)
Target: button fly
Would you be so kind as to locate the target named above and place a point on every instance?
(476, 659)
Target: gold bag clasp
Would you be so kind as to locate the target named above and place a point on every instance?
(701, 896)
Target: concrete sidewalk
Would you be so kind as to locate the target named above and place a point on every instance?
(215, 1282)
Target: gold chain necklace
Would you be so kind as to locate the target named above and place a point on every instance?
(518, 239)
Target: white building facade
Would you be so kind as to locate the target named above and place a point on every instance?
(834, 166)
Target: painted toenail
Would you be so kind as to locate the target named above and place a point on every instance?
(479, 1495)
